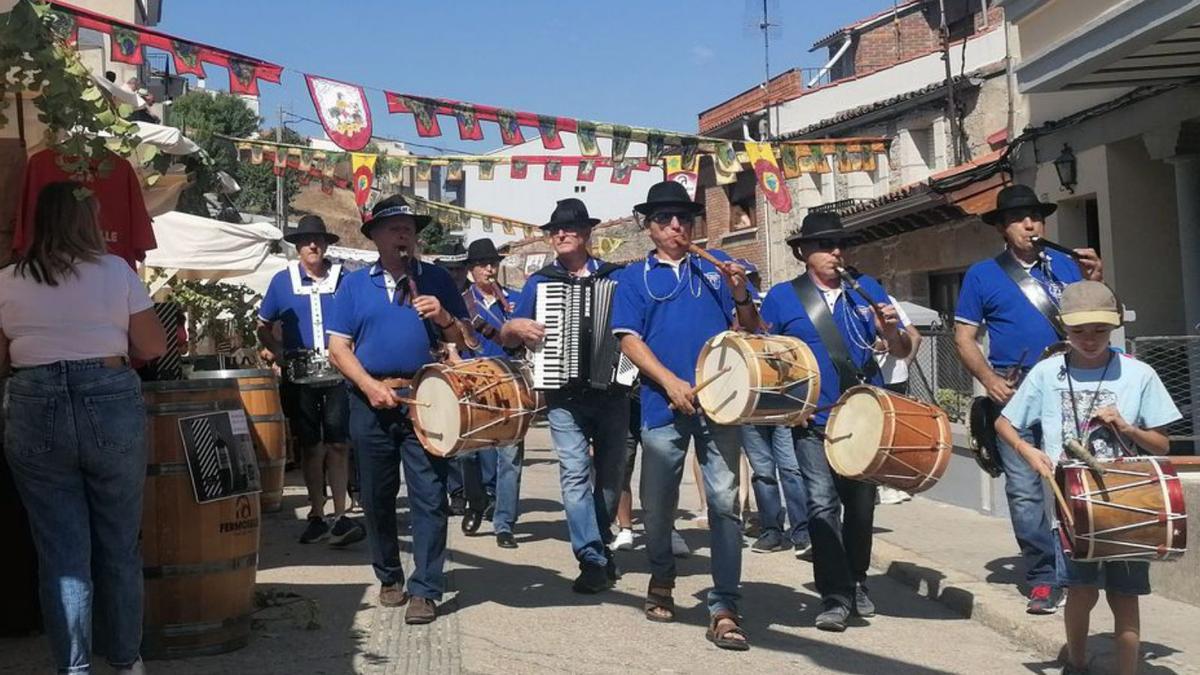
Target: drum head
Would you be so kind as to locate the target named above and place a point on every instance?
(441, 420)
(854, 434)
(727, 399)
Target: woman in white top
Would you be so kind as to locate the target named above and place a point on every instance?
(70, 317)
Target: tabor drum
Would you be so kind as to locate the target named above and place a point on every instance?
(757, 379)
(471, 405)
(1133, 510)
(877, 436)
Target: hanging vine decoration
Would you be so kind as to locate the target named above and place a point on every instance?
(218, 311)
(81, 122)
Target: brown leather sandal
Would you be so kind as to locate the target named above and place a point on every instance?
(725, 639)
(659, 606)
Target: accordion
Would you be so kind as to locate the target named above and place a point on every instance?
(579, 347)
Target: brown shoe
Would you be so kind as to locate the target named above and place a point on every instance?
(392, 595)
(420, 611)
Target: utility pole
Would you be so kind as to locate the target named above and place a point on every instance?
(280, 199)
(767, 135)
(951, 108)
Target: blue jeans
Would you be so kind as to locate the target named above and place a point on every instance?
(664, 451)
(772, 460)
(385, 440)
(500, 473)
(75, 438)
(841, 515)
(591, 486)
(1027, 509)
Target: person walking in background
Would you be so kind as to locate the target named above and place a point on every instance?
(70, 318)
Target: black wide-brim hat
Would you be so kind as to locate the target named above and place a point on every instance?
(668, 195)
(481, 251)
(820, 225)
(1017, 197)
(569, 212)
(392, 207)
(308, 226)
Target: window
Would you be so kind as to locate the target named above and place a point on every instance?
(742, 196)
(917, 157)
(580, 188)
(1091, 212)
(943, 292)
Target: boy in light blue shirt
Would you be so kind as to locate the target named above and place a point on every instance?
(1065, 394)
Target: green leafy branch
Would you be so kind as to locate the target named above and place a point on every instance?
(218, 310)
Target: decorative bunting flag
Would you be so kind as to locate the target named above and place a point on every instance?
(126, 45)
(762, 158)
(65, 27)
(280, 162)
(811, 159)
(362, 168)
(510, 131)
(187, 59)
(850, 158)
(585, 132)
(424, 170)
(454, 171)
(620, 143)
(518, 170)
(654, 147)
(508, 227)
(487, 170)
(487, 224)
(621, 172)
(553, 171)
(726, 164)
(587, 171)
(548, 128)
(788, 161)
(343, 111)
(688, 158)
(468, 125)
(422, 112)
(676, 172)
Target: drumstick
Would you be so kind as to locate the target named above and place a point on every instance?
(414, 402)
(713, 378)
(1062, 504)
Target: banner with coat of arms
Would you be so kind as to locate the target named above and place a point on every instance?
(362, 168)
(343, 111)
(762, 158)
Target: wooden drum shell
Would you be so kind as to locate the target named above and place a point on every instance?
(495, 405)
(773, 379)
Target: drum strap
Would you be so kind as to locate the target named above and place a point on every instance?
(1032, 289)
(314, 292)
(849, 374)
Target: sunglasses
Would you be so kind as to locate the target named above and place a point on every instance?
(565, 229)
(1018, 215)
(829, 244)
(665, 217)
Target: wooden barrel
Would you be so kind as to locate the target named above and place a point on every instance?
(260, 397)
(199, 560)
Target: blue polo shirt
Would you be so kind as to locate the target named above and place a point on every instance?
(784, 314)
(494, 314)
(1014, 325)
(527, 301)
(292, 310)
(675, 311)
(389, 339)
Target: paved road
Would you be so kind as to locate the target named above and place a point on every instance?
(513, 611)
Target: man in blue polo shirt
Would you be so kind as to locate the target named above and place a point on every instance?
(667, 307)
(845, 333)
(497, 470)
(300, 298)
(386, 324)
(1018, 333)
(581, 417)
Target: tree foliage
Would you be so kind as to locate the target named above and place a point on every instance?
(258, 180)
(201, 116)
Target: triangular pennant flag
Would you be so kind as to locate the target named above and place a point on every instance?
(424, 170)
(510, 130)
(362, 168)
(454, 170)
(280, 161)
(293, 158)
(788, 161)
(654, 147)
(487, 224)
(726, 164)
(687, 160)
(849, 158)
(518, 169)
(553, 170)
(621, 172)
(305, 162)
(762, 158)
(620, 142)
(508, 226)
(587, 171)
(486, 170)
(548, 128)
(468, 122)
(585, 132)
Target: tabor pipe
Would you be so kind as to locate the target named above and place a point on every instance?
(707, 256)
(1042, 242)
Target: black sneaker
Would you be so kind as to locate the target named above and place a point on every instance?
(458, 505)
(770, 542)
(506, 540)
(1043, 599)
(834, 618)
(862, 602)
(591, 579)
(1069, 669)
(315, 531)
(346, 531)
(803, 549)
(610, 568)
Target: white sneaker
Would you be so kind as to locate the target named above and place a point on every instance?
(623, 540)
(889, 495)
(678, 546)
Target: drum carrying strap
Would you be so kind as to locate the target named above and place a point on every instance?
(1032, 289)
(314, 292)
(849, 374)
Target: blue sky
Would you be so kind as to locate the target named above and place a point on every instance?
(637, 62)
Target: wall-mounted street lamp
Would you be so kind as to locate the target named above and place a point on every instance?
(1067, 167)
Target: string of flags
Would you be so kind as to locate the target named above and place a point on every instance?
(456, 216)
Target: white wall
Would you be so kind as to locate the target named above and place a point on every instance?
(532, 199)
(823, 104)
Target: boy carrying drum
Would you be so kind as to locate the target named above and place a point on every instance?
(1064, 394)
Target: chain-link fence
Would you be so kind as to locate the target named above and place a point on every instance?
(937, 375)
(1176, 359)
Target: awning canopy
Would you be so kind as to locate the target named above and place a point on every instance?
(203, 248)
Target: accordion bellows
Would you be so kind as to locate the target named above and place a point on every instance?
(579, 347)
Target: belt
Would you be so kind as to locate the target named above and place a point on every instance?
(110, 362)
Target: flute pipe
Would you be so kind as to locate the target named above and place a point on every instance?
(1043, 242)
